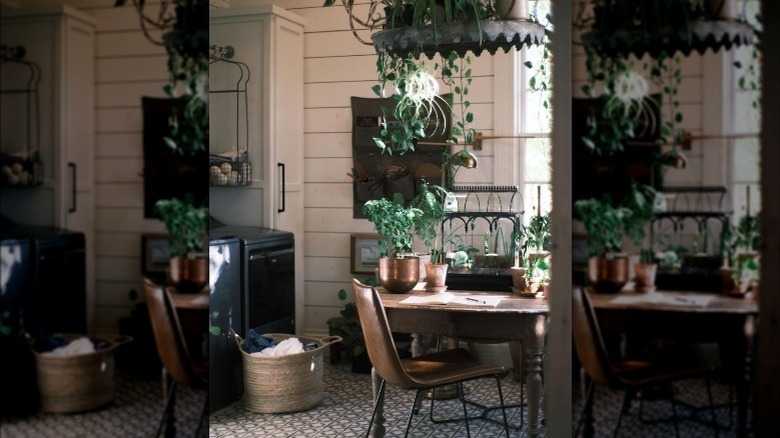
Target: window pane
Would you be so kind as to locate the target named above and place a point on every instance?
(538, 160)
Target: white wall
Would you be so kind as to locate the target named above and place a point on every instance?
(127, 66)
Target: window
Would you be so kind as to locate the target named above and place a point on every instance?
(526, 112)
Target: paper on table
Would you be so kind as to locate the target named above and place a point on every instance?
(439, 298)
(659, 298)
(201, 300)
(442, 298)
(477, 300)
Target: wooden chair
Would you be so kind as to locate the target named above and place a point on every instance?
(173, 352)
(422, 373)
(627, 375)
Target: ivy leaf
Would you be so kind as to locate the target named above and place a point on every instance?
(532, 82)
(469, 117)
(377, 90)
(529, 64)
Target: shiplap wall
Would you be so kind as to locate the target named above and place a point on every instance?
(127, 67)
(336, 67)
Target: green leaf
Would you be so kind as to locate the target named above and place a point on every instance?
(377, 90)
(529, 64)
(532, 82)
(214, 330)
(469, 117)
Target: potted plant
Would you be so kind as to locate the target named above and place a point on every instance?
(428, 228)
(186, 223)
(607, 265)
(398, 273)
(740, 272)
(636, 226)
(534, 253)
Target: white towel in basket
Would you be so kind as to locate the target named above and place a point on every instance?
(288, 346)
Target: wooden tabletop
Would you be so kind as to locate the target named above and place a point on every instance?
(717, 303)
(510, 303)
(198, 301)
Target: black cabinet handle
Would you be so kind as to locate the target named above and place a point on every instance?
(72, 208)
(282, 191)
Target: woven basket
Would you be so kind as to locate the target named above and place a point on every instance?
(289, 383)
(77, 383)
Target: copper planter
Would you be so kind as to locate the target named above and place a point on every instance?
(189, 275)
(399, 276)
(608, 275)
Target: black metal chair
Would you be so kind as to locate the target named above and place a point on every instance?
(628, 375)
(422, 373)
(173, 352)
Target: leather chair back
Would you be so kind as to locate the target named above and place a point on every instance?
(378, 336)
(588, 341)
(168, 334)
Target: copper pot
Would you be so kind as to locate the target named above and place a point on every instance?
(608, 275)
(436, 274)
(399, 276)
(189, 275)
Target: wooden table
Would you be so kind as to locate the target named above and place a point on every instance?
(725, 320)
(513, 319)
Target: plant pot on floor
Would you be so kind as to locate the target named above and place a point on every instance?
(399, 276)
(608, 274)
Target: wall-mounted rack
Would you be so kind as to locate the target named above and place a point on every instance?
(21, 168)
(232, 168)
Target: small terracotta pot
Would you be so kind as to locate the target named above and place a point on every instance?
(518, 278)
(436, 277)
(644, 276)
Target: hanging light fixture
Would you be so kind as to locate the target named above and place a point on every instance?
(398, 33)
(620, 28)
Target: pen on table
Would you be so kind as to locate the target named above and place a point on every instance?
(476, 300)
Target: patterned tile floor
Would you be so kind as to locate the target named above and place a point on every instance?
(135, 412)
(691, 393)
(345, 412)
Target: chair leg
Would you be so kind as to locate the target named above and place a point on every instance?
(462, 397)
(171, 391)
(712, 406)
(587, 403)
(503, 408)
(623, 409)
(202, 414)
(380, 393)
(674, 412)
(411, 412)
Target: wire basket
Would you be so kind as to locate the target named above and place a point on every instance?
(227, 172)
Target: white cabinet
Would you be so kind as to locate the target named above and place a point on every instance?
(269, 40)
(61, 41)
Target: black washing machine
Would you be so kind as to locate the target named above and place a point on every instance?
(252, 276)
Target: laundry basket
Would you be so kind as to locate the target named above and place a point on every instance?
(288, 383)
(77, 383)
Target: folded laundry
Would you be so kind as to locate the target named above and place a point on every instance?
(288, 346)
(256, 342)
(78, 346)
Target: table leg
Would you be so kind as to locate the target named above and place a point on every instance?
(534, 355)
(379, 420)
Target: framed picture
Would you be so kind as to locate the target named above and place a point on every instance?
(364, 253)
(155, 253)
